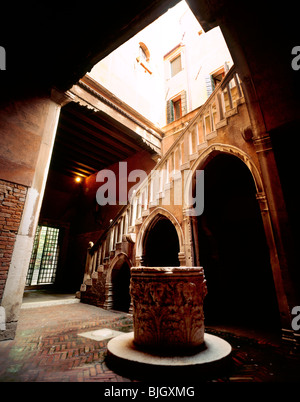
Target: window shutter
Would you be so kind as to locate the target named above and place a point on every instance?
(210, 85)
(183, 103)
(226, 69)
(170, 112)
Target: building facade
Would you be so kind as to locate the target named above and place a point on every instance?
(140, 71)
(245, 234)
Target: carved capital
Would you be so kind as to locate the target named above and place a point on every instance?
(188, 211)
(263, 202)
(181, 258)
(139, 260)
(263, 144)
(131, 237)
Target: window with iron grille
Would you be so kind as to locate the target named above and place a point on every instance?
(44, 257)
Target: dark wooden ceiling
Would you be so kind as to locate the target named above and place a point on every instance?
(86, 143)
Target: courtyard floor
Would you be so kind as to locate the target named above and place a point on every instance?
(68, 343)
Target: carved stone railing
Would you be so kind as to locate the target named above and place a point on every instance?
(99, 254)
(213, 115)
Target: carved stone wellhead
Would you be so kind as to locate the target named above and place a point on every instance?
(168, 308)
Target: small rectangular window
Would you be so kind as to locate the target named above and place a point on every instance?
(176, 66)
(177, 109)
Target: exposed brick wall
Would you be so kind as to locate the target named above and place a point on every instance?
(12, 199)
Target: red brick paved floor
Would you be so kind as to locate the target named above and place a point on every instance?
(47, 348)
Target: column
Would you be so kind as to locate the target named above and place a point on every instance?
(284, 265)
(15, 283)
(121, 229)
(282, 301)
(108, 304)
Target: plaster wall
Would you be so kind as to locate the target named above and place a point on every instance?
(29, 128)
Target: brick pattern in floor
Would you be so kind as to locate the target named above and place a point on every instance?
(48, 348)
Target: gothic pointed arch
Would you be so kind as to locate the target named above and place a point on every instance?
(117, 294)
(117, 260)
(156, 215)
(219, 148)
(234, 241)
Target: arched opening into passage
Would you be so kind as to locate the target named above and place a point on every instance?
(161, 244)
(120, 280)
(233, 250)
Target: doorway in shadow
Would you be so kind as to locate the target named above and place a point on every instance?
(120, 279)
(161, 244)
(233, 249)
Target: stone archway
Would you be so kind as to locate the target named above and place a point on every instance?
(163, 215)
(210, 152)
(233, 246)
(274, 254)
(117, 284)
(161, 245)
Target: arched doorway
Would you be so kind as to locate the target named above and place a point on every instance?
(120, 280)
(161, 244)
(233, 249)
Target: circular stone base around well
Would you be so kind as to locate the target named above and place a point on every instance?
(125, 358)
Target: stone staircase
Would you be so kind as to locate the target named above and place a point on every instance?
(213, 122)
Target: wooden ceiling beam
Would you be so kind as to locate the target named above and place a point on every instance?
(122, 138)
(128, 150)
(67, 171)
(69, 165)
(84, 152)
(65, 157)
(99, 145)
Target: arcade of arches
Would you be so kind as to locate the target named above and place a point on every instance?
(229, 241)
(244, 239)
(231, 245)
